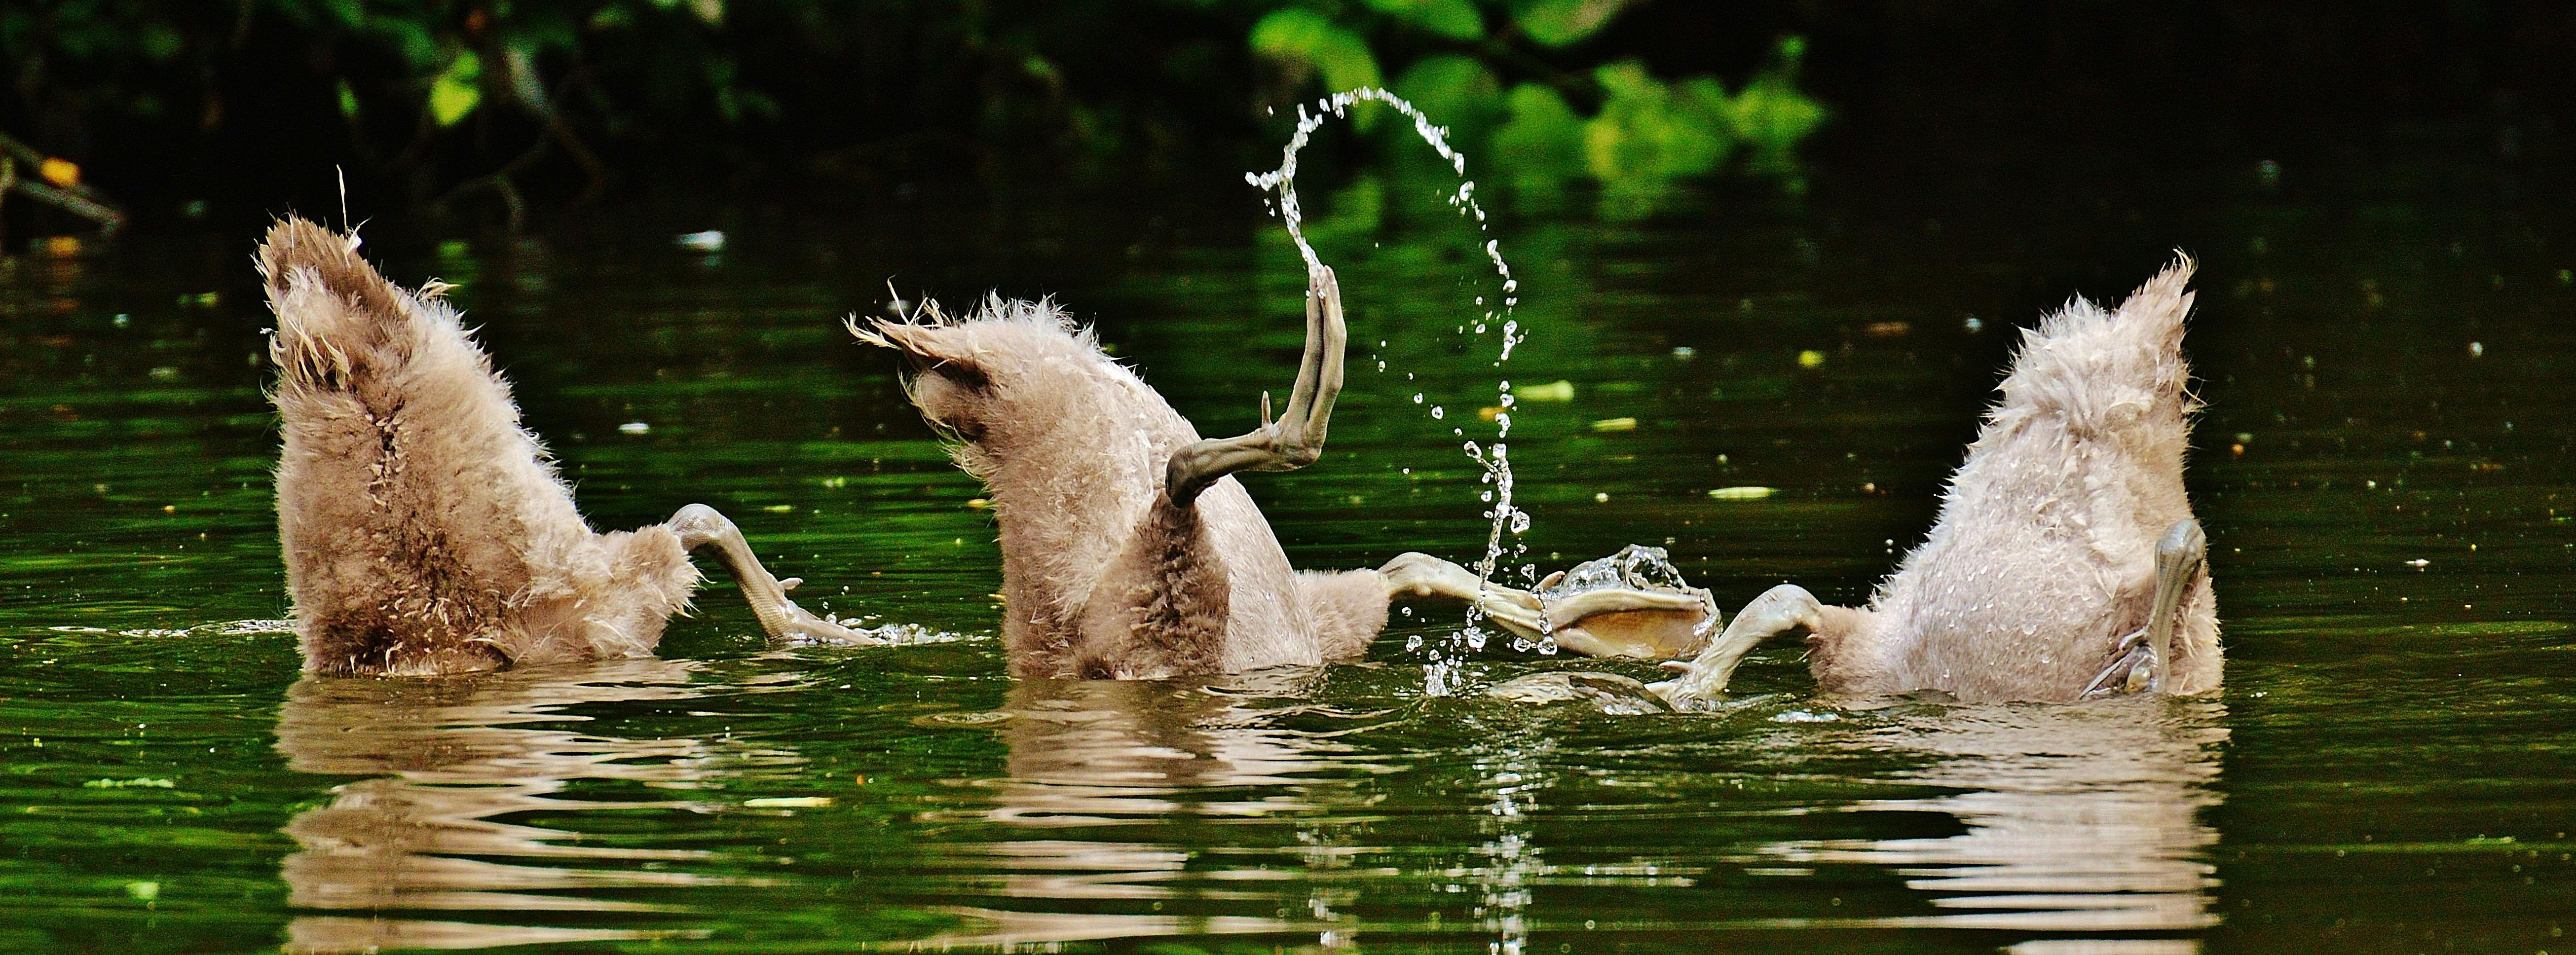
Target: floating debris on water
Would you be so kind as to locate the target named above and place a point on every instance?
(241, 628)
(788, 802)
(1748, 492)
(1559, 390)
(2477, 350)
(129, 783)
(1802, 716)
(2419, 563)
(985, 718)
(1615, 424)
(1810, 358)
(635, 427)
(712, 240)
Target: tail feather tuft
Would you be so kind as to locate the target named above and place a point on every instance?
(334, 311)
(2100, 370)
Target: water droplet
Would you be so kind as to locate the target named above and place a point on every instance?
(1438, 671)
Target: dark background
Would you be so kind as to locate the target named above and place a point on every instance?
(845, 102)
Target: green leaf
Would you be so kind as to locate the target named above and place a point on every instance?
(1650, 134)
(1773, 115)
(455, 93)
(1541, 146)
(1790, 51)
(348, 12)
(348, 99)
(1455, 91)
(1298, 35)
(1646, 131)
(159, 41)
(413, 39)
(1564, 22)
(1455, 19)
(1303, 35)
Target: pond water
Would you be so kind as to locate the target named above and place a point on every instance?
(2392, 766)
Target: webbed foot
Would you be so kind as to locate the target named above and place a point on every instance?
(1778, 610)
(1297, 438)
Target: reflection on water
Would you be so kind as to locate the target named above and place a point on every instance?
(2080, 818)
(1511, 773)
(1136, 810)
(1208, 760)
(454, 763)
(2387, 504)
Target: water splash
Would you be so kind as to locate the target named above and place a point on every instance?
(1634, 567)
(1508, 519)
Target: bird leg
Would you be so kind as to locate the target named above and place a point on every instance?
(699, 525)
(2179, 558)
(1779, 610)
(1414, 574)
(1297, 438)
(2144, 655)
(2128, 655)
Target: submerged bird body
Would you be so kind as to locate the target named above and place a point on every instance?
(423, 528)
(1104, 573)
(2065, 556)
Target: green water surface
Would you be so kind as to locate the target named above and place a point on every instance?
(2391, 767)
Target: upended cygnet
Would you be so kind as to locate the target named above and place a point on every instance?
(1128, 549)
(2066, 562)
(424, 531)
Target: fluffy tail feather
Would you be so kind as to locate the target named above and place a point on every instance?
(337, 318)
(2103, 371)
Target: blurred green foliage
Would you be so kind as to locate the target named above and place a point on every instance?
(1646, 135)
(452, 95)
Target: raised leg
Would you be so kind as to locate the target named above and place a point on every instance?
(699, 525)
(1297, 438)
(1422, 575)
(1779, 610)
